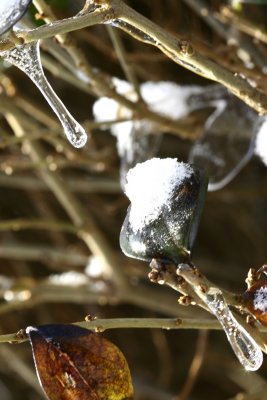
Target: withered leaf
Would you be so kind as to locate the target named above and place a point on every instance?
(73, 363)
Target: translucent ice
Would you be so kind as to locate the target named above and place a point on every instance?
(10, 12)
(243, 344)
(27, 58)
(138, 140)
(246, 349)
(227, 143)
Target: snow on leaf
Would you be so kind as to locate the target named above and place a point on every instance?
(166, 202)
(151, 185)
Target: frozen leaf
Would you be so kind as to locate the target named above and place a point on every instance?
(27, 59)
(166, 202)
(255, 299)
(75, 364)
(227, 143)
(11, 11)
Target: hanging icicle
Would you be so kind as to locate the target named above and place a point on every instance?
(244, 346)
(27, 58)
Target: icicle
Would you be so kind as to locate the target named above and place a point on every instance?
(244, 346)
(27, 59)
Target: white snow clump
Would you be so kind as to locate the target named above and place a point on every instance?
(260, 299)
(150, 185)
(165, 98)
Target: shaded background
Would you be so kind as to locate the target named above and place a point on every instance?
(232, 235)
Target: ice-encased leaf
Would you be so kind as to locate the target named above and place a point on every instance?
(227, 143)
(11, 11)
(27, 58)
(166, 202)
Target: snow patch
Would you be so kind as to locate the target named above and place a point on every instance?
(260, 299)
(150, 186)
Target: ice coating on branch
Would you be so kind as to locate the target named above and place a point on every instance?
(243, 344)
(246, 349)
(27, 59)
(10, 12)
(150, 185)
(261, 142)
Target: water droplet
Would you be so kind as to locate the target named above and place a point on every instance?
(27, 59)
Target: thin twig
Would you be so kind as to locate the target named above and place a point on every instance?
(195, 366)
(100, 325)
(89, 231)
(92, 185)
(122, 57)
(244, 25)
